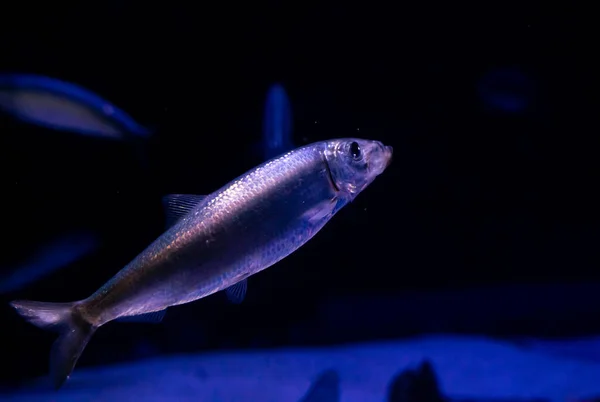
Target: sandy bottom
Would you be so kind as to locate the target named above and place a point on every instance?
(466, 367)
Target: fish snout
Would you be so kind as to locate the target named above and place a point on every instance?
(388, 151)
(381, 157)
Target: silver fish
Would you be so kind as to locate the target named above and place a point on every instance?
(217, 241)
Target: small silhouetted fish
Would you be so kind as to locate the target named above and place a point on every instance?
(59, 105)
(415, 385)
(277, 123)
(326, 388)
(49, 258)
(217, 241)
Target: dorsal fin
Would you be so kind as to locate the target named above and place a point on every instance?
(178, 205)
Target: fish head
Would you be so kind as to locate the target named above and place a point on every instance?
(354, 163)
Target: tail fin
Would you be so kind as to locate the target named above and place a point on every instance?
(75, 332)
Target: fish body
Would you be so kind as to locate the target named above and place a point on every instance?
(239, 230)
(246, 226)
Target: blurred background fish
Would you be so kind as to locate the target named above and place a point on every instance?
(277, 124)
(60, 105)
(65, 107)
(47, 259)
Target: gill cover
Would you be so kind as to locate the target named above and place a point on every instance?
(348, 165)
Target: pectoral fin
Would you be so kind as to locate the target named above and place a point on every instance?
(320, 211)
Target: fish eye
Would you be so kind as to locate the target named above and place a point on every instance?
(355, 150)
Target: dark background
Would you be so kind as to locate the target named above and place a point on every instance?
(478, 196)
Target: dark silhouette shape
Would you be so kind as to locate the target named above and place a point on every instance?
(326, 388)
(415, 385)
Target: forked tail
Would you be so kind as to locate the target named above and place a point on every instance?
(74, 333)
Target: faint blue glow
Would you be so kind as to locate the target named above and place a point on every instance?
(507, 90)
(277, 125)
(47, 259)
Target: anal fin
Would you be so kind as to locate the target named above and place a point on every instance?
(154, 317)
(236, 293)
